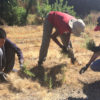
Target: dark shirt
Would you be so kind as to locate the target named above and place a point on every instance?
(10, 50)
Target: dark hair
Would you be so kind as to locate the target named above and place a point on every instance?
(2, 33)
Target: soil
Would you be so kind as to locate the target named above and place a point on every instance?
(57, 79)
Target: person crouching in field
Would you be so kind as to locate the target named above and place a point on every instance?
(7, 55)
(96, 65)
(64, 24)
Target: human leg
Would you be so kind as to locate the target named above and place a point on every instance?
(47, 30)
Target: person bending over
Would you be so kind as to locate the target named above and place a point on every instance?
(64, 24)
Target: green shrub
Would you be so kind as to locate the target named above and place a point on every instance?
(44, 8)
(90, 44)
(11, 13)
(19, 12)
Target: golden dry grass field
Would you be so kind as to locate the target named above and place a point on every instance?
(62, 72)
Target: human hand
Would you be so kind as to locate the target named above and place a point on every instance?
(64, 49)
(83, 70)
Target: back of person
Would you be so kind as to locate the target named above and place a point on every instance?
(60, 20)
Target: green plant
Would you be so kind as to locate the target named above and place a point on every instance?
(89, 43)
(63, 70)
(19, 12)
(27, 72)
(44, 8)
(46, 77)
(50, 82)
(11, 12)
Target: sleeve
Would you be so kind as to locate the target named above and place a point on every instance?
(17, 50)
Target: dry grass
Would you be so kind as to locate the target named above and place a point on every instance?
(28, 38)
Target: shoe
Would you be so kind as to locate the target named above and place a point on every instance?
(3, 77)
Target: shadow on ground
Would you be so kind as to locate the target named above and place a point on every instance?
(91, 90)
(70, 98)
(47, 76)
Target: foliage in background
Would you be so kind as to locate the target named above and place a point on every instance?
(15, 12)
(11, 12)
(19, 13)
(91, 19)
(44, 8)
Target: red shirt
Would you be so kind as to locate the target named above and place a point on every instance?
(97, 28)
(60, 21)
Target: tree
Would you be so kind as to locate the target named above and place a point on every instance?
(10, 12)
(27, 10)
(44, 8)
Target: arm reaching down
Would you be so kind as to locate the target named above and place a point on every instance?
(94, 56)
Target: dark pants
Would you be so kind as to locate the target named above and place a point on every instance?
(10, 60)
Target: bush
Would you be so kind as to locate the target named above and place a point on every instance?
(11, 13)
(44, 8)
(90, 44)
(19, 12)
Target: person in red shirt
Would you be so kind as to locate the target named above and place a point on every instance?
(64, 24)
(97, 28)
